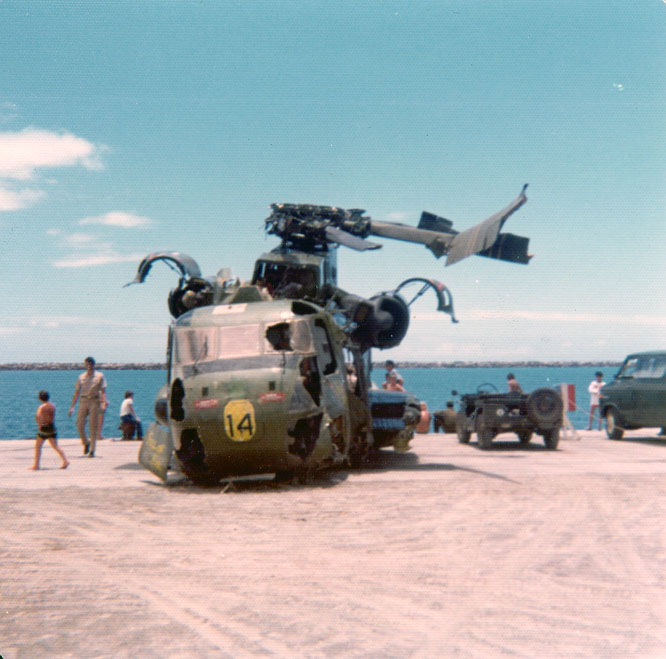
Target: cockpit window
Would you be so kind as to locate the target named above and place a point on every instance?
(294, 336)
(644, 367)
(204, 344)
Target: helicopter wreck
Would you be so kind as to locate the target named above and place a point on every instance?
(273, 375)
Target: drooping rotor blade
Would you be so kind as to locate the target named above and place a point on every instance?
(187, 266)
(484, 238)
(336, 235)
(436, 241)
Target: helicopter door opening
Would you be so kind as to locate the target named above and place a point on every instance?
(333, 384)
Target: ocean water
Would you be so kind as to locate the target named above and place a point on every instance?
(18, 392)
(19, 389)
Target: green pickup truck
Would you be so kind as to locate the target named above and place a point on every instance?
(637, 396)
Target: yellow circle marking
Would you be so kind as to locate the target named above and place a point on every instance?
(239, 421)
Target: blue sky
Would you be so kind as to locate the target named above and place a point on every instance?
(138, 126)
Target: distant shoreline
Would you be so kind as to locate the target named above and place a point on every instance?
(152, 366)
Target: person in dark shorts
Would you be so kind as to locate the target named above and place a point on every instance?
(46, 430)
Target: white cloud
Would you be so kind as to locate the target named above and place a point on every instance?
(11, 200)
(8, 111)
(619, 86)
(80, 238)
(101, 258)
(398, 216)
(118, 219)
(548, 316)
(23, 152)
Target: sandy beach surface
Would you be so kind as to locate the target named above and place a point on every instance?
(442, 551)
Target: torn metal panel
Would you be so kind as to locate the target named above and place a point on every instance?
(156, 450)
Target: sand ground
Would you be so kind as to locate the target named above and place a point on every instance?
(443, 551)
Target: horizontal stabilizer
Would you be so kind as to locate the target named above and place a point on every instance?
(509, 247)
(432, 222)
(483, 236)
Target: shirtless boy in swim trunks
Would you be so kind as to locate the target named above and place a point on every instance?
(45, 418)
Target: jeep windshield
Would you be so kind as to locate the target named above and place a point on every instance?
(196, 345)
(643, 367)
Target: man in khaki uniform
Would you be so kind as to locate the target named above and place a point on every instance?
(90, 391)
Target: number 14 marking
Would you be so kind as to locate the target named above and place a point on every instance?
(240, 424)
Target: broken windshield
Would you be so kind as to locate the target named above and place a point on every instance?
(205, 344)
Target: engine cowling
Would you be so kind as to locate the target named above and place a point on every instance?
(382, 321)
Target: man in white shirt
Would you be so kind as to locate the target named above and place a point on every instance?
(595, 390)
(128, 414)
(90, 391)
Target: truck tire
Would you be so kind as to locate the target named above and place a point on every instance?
(524, 436)
(464, 435)
(484, 437)
(551, 438)
(544, 406)
(613, 424)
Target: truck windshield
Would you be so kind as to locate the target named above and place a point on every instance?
(643, 367)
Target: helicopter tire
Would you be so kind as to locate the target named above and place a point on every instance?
(202, 479)
(284, 476)
(359, 454)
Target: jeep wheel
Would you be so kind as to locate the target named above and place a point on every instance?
(544, 406)
(613, 424)
(464, 435)
(551, 438)
(484, 437)
(524, 436)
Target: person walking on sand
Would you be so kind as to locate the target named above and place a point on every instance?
(594, 390)
(90, 391)
(46, 430)
(103, 404)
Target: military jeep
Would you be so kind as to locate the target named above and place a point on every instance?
(489, 413)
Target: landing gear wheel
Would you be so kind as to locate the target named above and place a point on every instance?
(284, 476)
(202, 479)
(360, 452)
(613, 425)
(551, 438)
(484, 437)
(524, 437)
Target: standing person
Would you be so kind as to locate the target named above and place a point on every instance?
(392, 370)
(423, 426)
(128, 415)
(45, 418)
(514, 385)
(90, 389)
(446, 419)
(595, 390)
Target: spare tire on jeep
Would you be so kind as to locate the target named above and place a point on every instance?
(544, 406)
